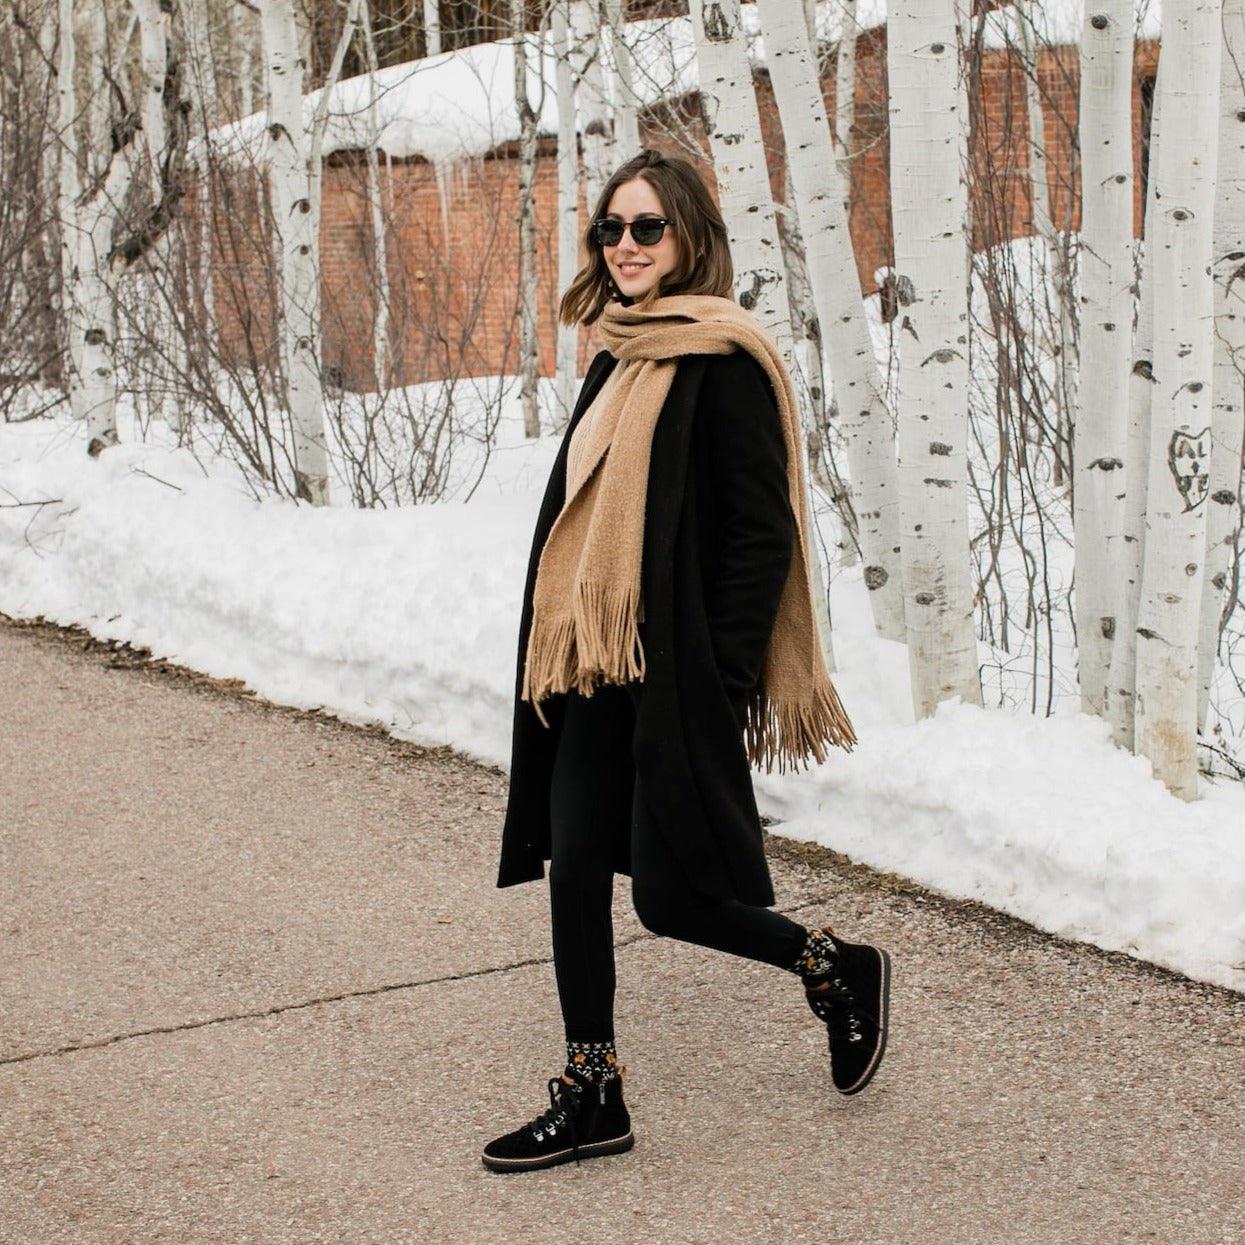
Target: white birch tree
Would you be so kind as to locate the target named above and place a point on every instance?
(1182, 167)
(157, 164)
(844, 118)
(68, 190)
(297, 248)
(153, 28)
(432, 27)
(929, 203)
(568, 203)
(626, 124)
(376, 210)
(729, 109)
(1107, 278)
(50, 253)
(1122, 679)
(1223, 514)
(88, 218)
(528, 342)
(863, 417)
(591, 102)
(731, 118)
(202, 82)
(805, 330)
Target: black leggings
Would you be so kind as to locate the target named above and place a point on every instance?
(594, 789)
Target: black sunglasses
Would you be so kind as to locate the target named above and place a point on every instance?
(647, 231)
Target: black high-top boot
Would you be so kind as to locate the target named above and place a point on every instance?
(584, 1121)
(850, 994)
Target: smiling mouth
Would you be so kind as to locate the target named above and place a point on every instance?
(631, 269)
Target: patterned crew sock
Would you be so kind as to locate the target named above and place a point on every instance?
(594, 1061)
(819, 956)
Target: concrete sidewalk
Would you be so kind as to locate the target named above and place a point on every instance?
(256, 986)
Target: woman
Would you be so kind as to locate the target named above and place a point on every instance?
(667, 639)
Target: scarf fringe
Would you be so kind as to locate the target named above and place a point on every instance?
(608, 633)
(792, 734)
(596, 642)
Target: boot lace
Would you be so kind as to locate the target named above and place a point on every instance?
(561, 1115)
(838, 1008)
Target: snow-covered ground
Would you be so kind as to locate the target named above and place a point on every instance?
(407, 617)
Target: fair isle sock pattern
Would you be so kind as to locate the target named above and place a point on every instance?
(818, 957)
(595, 1061)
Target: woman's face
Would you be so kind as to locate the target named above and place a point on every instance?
(638, 271)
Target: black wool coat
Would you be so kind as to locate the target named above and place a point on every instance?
(718, 533)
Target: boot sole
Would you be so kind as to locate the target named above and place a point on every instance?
(595, 1149)
(884, 1004)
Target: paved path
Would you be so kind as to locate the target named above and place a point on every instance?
(256, 986)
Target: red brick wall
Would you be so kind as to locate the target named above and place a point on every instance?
(453, 262)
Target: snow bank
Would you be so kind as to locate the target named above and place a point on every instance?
(407, 618)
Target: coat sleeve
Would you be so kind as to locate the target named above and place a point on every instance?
(745, 455)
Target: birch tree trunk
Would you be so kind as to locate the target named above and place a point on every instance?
(845, 99)
(845, 92)
(153, 26)
(86, 229)
(158, 79)
(297, 249)
(203, 85)
(529, 375)
(627, 125)
(863, 417)
(568, 205)
(732, 121)
(1223, 514)
(930, 209)
(595, 119)
(1183, 169)
(805, 331)
(432, 27)
(1122, 681)
(68, 190)
(99, 70)
(376, 212)
(1107, 278)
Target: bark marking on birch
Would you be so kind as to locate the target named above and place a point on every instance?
(1187, 457)
(762, 279)
(717, 27)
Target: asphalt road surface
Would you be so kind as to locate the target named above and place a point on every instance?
(256, 985)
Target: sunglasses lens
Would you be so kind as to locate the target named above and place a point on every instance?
(647, 232)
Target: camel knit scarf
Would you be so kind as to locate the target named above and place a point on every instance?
(586, 602)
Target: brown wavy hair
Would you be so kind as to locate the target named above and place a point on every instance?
(704, 265)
